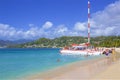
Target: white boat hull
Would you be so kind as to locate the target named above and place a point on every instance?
(80, 52)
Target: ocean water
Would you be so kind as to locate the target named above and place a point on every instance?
(17, 63)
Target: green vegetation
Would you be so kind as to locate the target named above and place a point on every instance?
(101, 41)
(108, 41)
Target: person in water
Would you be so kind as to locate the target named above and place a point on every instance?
(58, 60)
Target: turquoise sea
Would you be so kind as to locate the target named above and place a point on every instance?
(17, 63)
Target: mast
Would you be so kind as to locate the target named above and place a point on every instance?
(88, 21)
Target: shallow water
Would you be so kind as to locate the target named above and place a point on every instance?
(16, 63)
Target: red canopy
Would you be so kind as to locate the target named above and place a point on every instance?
(87, 44)
(74, 44)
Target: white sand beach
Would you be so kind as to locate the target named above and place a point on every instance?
(106, 68)
(111, 73)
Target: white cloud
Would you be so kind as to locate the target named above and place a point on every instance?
(106, 22)
(8, 32)
(61, 29)
(47, 25)
(80, 26)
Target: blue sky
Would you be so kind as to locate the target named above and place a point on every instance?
(32, 19)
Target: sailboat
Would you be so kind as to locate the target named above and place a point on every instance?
(81, 49)
(84, 48)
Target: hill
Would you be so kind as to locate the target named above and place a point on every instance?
(8, 43)
(101, 41)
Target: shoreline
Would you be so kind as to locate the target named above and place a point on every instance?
(50, 74)
(81, 70)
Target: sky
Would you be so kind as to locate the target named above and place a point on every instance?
(33, 19)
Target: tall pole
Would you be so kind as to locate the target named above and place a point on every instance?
(88, 21)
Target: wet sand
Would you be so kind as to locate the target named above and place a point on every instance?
(105, 68)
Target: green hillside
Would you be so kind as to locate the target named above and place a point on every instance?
(101, 41)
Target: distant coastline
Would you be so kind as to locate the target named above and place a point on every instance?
(101, 41)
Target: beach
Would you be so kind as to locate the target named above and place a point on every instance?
(112, 72)
(104, 68)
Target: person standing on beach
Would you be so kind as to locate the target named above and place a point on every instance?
(113, 55)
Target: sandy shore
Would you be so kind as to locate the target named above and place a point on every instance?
(112, 72)
(106, 68)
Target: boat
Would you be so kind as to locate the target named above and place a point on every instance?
(84, 48)
(81, 49)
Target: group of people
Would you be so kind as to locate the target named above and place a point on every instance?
(108, 51)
